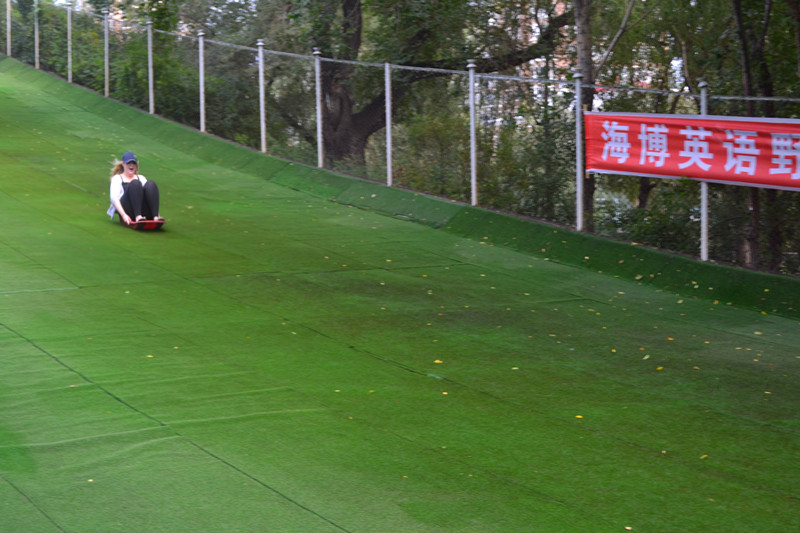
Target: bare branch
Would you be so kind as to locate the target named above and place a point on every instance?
(622, 29)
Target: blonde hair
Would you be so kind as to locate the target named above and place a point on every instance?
(118, 167)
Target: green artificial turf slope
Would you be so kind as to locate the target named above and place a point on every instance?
(278, 361)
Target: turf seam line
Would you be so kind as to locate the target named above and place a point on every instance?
(33, 503)
(265, 485)
(80, 188)
(51, 289)
(81, 375)
(183, 378)
(95, 436)
(248, 416)
(162, 424)
(47, 268)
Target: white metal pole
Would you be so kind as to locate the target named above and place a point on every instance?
(151, 93)
(105, 51)
(387, 75)
(578, 153)
(36, 33)
(473, 144)
(262, 108)
(8, 28)
(318, 82)
(69, 42)
(703, 185)
(202, 72)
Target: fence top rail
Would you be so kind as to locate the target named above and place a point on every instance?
(675, 92)
(393, 66)
(231, 45)
(506, 77)
(756, 98)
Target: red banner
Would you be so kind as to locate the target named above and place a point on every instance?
(734, 150)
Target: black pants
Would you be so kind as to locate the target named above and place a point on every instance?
(140, 200)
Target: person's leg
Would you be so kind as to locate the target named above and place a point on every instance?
(151, 200)
(132, 199)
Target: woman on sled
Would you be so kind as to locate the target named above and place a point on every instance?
(133, 197)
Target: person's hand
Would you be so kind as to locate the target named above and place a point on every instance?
(126, 218)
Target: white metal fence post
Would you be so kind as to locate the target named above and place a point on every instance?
(69, 42)
(262, 108)
(105, 52)
(578, 153)
(318, 83)
(36, 33)
(703, 185)
(387, 82)
(151, 93)
(8, 28)
(473, 143)
(202, 75)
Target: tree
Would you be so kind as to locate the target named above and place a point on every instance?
(794, 11)
(442, 34)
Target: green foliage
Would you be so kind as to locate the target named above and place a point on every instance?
(53, 33)
(87, 52)
(435, 155)
(26, 8)
(232, 97)
(671, 221)
(100, 5)
(531, 170)
(129, 78)
(320, 25)
(163, 13)
(412, 31)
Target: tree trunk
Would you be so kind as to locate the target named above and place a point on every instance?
(752, 236)
(343, 131)
(775, 237)
(646, 186)
(747, 78)
(774, 214)
(752, 252)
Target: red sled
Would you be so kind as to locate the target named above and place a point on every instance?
(145, 225)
